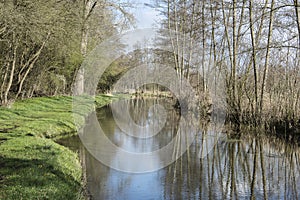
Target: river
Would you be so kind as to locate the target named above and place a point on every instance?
(250, 166)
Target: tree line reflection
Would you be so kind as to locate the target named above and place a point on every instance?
(250, 167)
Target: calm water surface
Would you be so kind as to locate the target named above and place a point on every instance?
(245, 168)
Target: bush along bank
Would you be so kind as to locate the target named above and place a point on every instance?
(32, 165)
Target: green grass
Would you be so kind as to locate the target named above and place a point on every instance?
(32, 165)
(37, 168)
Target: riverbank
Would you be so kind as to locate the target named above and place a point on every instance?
(32, 165)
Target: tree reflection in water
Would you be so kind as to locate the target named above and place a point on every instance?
(251, 167)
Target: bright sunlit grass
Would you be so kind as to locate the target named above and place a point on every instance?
(32, 165)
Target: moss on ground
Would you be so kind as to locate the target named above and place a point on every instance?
(32, 165)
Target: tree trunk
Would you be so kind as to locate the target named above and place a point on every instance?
(297, 11)
(191, 40)
(225, 22)
(253, 42)
(203, 47)
(32, 61)
(88, 7)
(4, 81)
(234, 53)
(266, 69)
(171, 36)
(11, 76)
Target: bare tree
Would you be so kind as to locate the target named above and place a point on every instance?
(89, 8)
(266, 67)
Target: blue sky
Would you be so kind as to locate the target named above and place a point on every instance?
(145, 15)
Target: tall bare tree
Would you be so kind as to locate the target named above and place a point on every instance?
(266, 67)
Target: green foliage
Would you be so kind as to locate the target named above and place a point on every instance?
(112, 74)
(41, 38)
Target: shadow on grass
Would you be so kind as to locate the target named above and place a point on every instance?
(28, 177)
(39, 169)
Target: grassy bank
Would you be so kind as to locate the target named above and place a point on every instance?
(32, 165)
